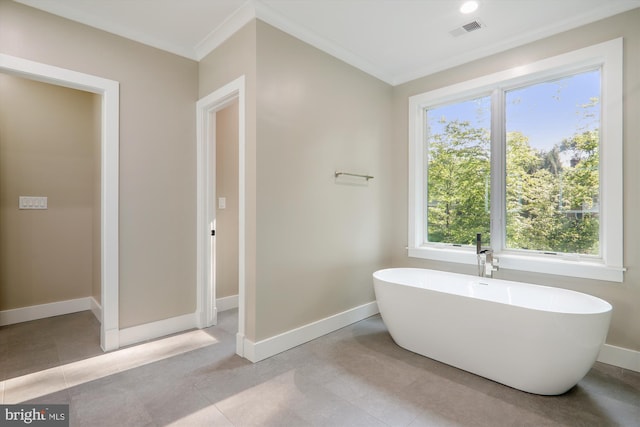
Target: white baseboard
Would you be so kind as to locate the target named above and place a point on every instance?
(240, 344)
(620, 357)
(253, 351)
(147, 331)
(41, 311)
(110, 340)
(256, 351)
(227, 303)
(96, 308)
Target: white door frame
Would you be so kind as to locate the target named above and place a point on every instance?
(206, 311)
(110, 92)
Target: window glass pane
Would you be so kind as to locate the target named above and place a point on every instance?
(458, 172)
(553, 165)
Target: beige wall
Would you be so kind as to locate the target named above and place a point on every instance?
(312, 243)
(226, 251)
(625, 297)
(318, 240)
(158, 92)
(47, 143)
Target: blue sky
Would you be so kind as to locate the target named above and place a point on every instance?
(549, 112)
(546, 112)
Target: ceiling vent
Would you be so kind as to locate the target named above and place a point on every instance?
(467, 28)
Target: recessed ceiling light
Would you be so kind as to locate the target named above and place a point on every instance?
(469, 6)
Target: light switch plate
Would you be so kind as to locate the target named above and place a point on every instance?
(31, 202)
(222, 202)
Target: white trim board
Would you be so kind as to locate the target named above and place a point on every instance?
(257, 351)
(227, 303)
(126, 336)
(96, 309)
(41, 311)
(609, 354)
(620, 357)
(160, 328)
(206, 314)
(109, 175)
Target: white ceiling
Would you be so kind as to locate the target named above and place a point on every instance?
(394, 40)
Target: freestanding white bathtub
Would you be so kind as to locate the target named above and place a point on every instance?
(534, 338)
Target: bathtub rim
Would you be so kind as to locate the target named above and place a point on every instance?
(606, 306)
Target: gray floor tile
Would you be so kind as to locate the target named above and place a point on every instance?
(208, 416)
(57, 398)
(229, 380)
(175, 404)
(356, 376)
(34, 385)
(108, 404)
(389, 407)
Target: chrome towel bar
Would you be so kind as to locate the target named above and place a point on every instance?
(367, 177)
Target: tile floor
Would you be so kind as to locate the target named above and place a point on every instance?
(355, 376)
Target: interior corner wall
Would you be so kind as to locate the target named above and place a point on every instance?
(158, 91)
(319, 239)
(47, 143)
(234, 58)
(625, 297)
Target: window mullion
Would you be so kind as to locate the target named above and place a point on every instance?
(498, 171)
(514, 256)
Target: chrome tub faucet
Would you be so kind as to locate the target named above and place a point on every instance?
(486, 264)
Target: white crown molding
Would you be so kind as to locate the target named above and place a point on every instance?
(605, 11)
(256, 9)
(252, 9)
(229, 27)
(97, 21)
(271, 17)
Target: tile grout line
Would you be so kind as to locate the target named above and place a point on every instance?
(215, 404)
(61, 366)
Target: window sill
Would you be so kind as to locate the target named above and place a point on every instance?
(585, 269)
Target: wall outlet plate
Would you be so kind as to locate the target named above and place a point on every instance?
(31, 202)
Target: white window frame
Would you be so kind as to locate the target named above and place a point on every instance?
(607, 56)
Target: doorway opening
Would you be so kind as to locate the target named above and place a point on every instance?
(225, 241)
(207, 203)
(108, 90)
